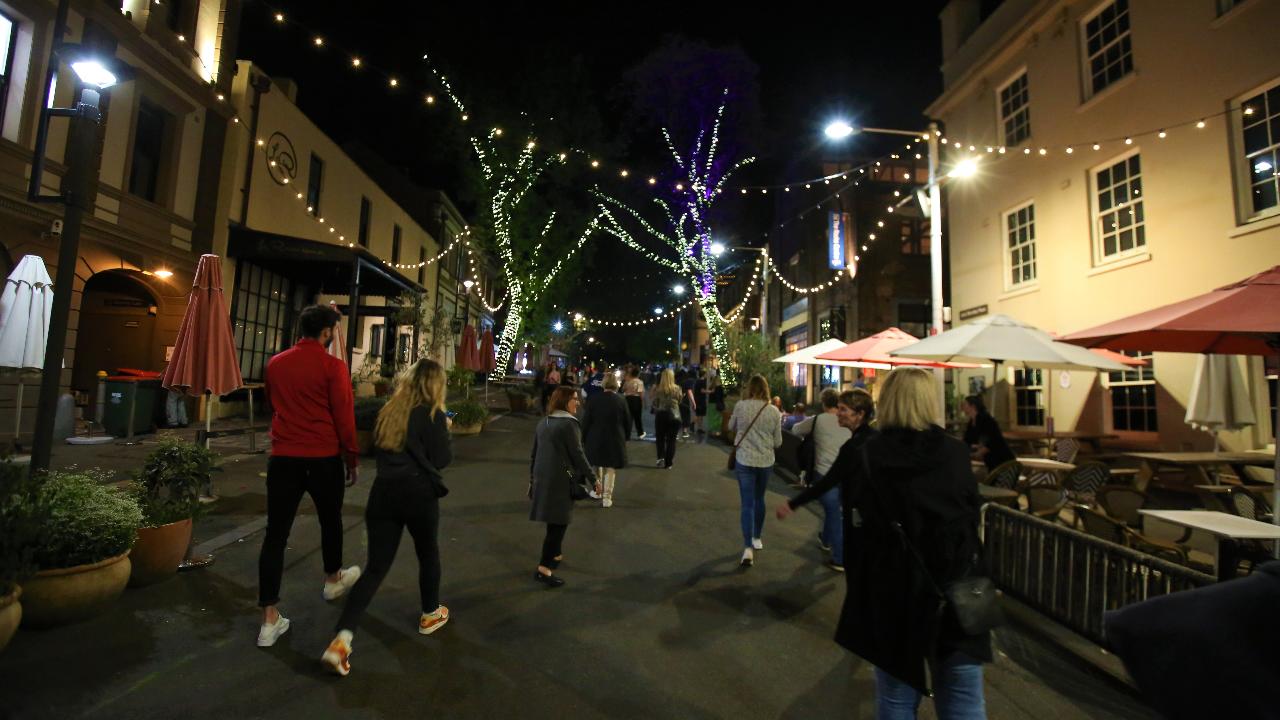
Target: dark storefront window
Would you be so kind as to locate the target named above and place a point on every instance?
(315, 179)
(366, 210)
(263, 314)
(395, 244)
(422, 268)
(148, 145)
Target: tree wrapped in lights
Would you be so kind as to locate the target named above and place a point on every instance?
(688, 223)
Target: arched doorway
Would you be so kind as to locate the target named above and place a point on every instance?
(116, 330)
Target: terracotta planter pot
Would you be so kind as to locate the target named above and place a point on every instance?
(10, 616)
(157, 552)
(67, 595)
(467, 429)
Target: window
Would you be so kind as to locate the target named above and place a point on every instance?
(422, 268)
(315, 179)
(1020, 245)
(1015, 110)
(376, 341)
(176, 16)
(404, 348)
(1133, 396)
(913, 236)
(265, 305)
(1226, 6)
(1108, 51)
(395, 244)
(1028, 391)
(148, 147)
(8, 41)
(1272, 372)
(797, 374)
(1119, 226)
(366, 209)
(1260, 125)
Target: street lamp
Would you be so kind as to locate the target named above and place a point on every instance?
(557, 326)
(468, 284)
(96, 73)
(678, 289)
(717, 248)
(836, 130)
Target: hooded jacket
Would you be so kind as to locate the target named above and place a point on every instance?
(427, 450)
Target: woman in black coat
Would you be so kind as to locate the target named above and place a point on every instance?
(982, 434)
(912, 475)
(558, 461)
(605, 423)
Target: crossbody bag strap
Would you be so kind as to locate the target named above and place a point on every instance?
(750, 425)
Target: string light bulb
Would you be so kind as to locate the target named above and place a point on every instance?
(1200, 125)
(319, 41)
(431, 99)
(279, 17)
(355, 62)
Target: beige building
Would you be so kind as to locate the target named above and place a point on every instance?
(1128, 161)
(311, 223)
(154, 203)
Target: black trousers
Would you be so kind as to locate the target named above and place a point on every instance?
(551, 545)
(393, 506)
(666, 427)
(288, 478)
(635, 404)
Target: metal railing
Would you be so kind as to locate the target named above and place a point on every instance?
(1072, 577)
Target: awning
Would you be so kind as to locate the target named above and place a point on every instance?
(325, 266)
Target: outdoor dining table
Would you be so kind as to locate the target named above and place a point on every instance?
(1094, 439)
(1197, 463)
(1002, 496)
(1226, 529)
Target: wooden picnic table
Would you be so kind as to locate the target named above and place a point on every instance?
(1094, 439)
(1197, 463)
(1226, 528)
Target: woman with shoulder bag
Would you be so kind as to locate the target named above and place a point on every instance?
(758, 432)
(413, 447)
(557, 466)
(911, 541)
(666, 417)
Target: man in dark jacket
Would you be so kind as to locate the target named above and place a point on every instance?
(605, 421)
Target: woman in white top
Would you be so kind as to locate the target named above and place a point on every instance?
(758, 428)
(828, 436)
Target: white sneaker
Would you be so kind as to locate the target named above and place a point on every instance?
(337, 657)
(660, 463)
(607, 502)
(755, 543)
(748, 558)
(269, 634)
(346, 578)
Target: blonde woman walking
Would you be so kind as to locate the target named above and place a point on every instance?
(413, 447)
(758, 428)
(666, 417)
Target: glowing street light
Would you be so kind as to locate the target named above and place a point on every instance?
(964, 169)
(717, 249)
(678, 289)
(657, 311)
(838, 130)
(557, 326)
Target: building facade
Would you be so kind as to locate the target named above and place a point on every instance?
(1128, 160)
(154, 200)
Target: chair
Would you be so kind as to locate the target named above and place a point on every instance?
(1082, 483)
(1246, 504)
(1005, 475)
(1066, 450)
(1122, 503)
(1046, 501)
(1099, 525)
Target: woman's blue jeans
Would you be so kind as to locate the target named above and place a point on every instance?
(832, 534)
(752, 482)
(957, 692)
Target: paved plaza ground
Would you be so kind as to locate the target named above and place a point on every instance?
(657, 620)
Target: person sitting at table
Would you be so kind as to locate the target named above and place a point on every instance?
(796, 416)
(983, 435)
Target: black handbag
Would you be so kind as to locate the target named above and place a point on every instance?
(580, 486)
(973, 599)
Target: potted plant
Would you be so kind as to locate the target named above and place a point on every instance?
(367, 410)
(20, 517)
(167, 490)
(469, 416)
(82, 549)
(519, 397)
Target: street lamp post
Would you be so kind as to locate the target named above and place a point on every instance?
(96, 74)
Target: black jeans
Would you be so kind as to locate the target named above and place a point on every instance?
(288, 478)
(635, 404)
(393, 506)
(666, 427)
(551, 545)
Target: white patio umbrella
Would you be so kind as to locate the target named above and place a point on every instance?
(24, 321)
(808, 356)
(1219, 397)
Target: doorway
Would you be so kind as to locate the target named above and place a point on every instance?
(117, 330)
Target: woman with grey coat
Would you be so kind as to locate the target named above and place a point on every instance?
(558, 461)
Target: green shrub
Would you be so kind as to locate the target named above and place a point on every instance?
(21, 517)
(367, 410)
(461, 381)
(168, 488)
(86, 520)
(469, 412)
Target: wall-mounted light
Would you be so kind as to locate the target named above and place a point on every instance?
(163, 274)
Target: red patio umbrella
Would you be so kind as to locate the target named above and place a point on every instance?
(204, 353)
(467, 356)
(1242, 318)
(876, 348)
(487, 359)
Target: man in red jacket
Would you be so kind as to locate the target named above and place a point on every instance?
(313, 446)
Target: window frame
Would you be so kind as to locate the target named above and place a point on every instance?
(266, 337)
(163, 140)
(1006, 249)
(1036, 389)
(422, 268)
(1097, 237)
(1000, 116)
(396, 235)
(315, 184)
(366, 219)
(6, 79)
(1240, 162)
(1086, 71)
(1146, 378)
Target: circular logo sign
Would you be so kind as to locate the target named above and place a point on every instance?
(282, 161)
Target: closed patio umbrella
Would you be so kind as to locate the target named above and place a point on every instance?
(1236, 319)
(466, 356)
(24, 321)
(1219, 397)
(488, 360)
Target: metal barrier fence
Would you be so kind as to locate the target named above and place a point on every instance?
(1072, 577)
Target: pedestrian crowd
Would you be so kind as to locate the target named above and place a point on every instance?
(899, 499)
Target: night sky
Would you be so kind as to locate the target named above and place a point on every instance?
(877, 67)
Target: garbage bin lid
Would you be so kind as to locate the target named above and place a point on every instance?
(135, 372)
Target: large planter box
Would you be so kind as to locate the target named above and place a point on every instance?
(467, 429)
(158, 551)
(66, 595)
